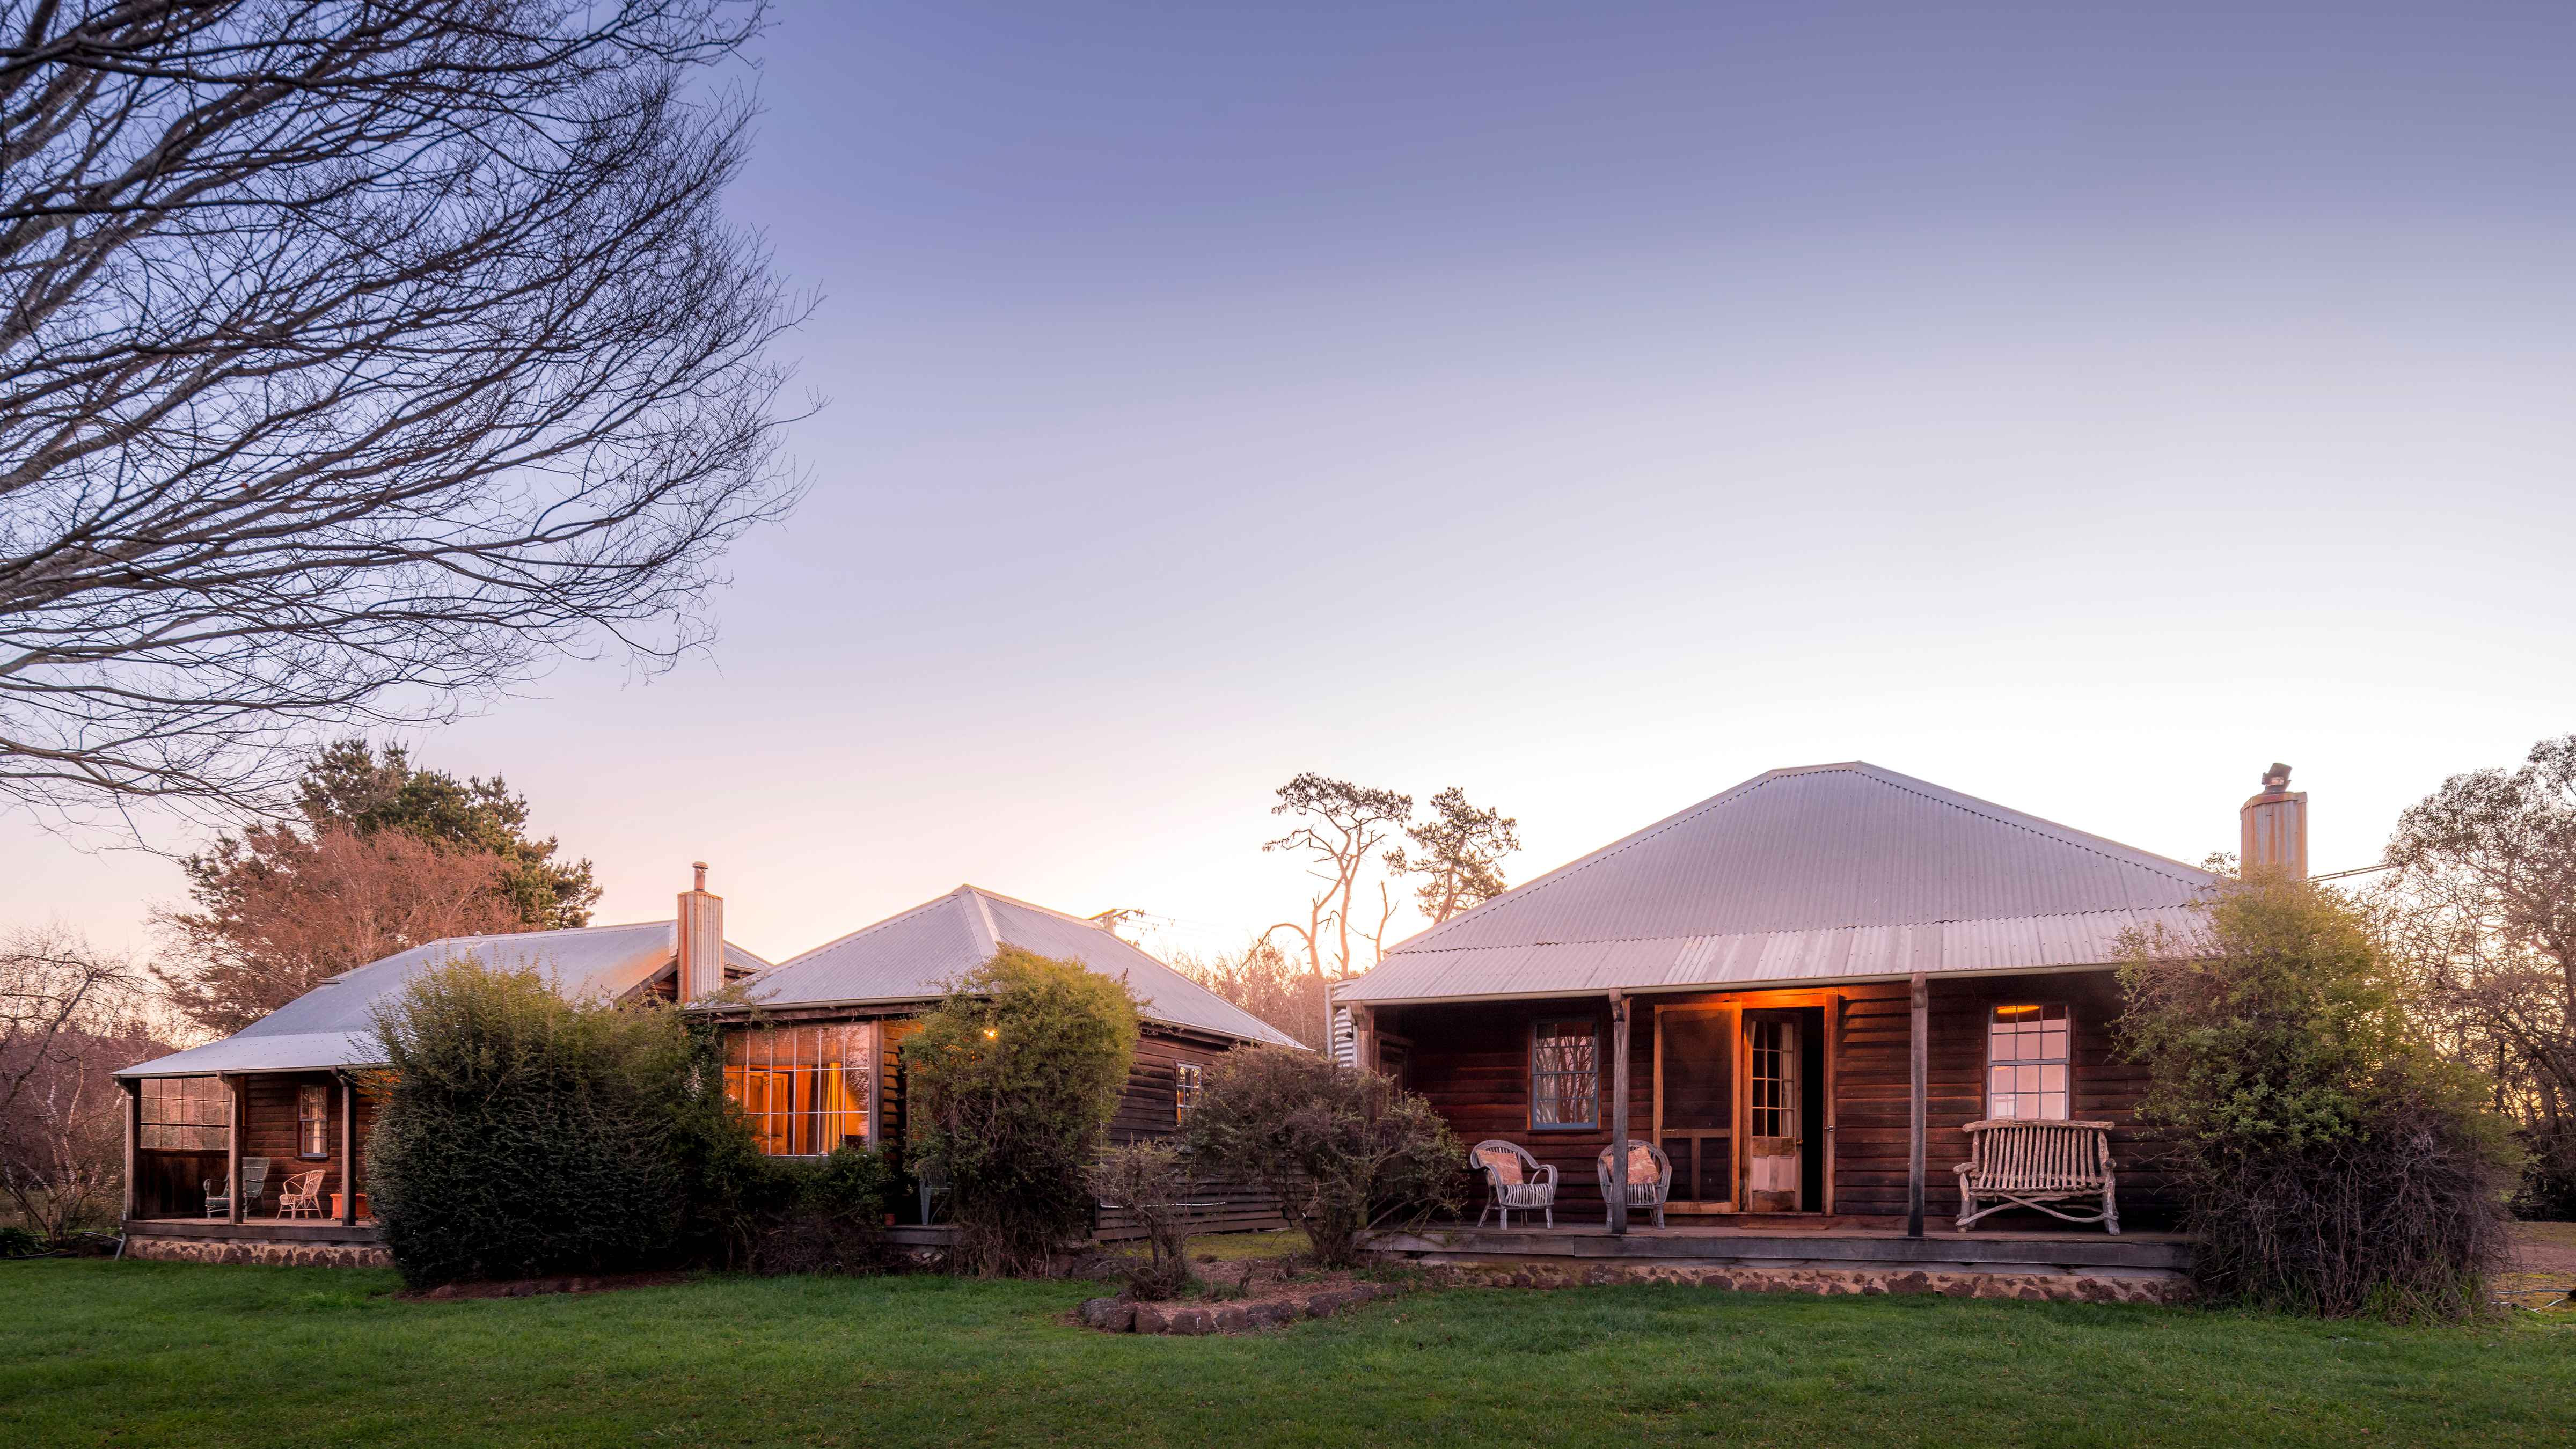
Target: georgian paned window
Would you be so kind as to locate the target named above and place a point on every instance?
(185, 1114)
(805, 1088)
(2028, 1064)
(312, 1120)
(1185, 1089)
(1565, 1073)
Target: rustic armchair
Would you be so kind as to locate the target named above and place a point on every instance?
(300, 1194)
(1516, 1182)
(2032, 1164)
(1650, 1177)
(254, 1185)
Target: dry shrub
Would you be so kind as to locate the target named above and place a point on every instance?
(1344, 1150)
(1150, 1180)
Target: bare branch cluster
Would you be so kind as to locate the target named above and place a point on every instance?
(354, 358)
(70, 1017)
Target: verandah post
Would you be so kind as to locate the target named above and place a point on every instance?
(233, 1147)
(1919, 1070)
(1618, 1112)
(348, 1150)
(133, 1146)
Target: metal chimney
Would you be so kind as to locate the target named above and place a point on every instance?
(701, 939)
(2274, 827)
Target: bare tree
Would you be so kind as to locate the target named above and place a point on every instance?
(1339, 829)
(356, 357)
(1459, 853)
(70, 1018)
(294, 909)
(2482, 907)
(1265, 982)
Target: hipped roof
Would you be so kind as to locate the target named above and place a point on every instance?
(332, 1025)
(913, 956)
(1837, 872)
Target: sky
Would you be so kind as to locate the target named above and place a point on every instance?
(1591, 407)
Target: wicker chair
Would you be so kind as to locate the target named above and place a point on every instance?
(254, 1172)
(1647, 1186)
(2031, 1164)
(1518, 1182)
(301, 1194)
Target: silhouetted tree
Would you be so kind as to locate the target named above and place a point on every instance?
(356, 357)
(1459, 853)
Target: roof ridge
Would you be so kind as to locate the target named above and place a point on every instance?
(906, 914)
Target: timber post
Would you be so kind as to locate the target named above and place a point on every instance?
(1618, 1112)
(1919, 1062)
(348, 1150)
(233, 1146)
(133, 1146)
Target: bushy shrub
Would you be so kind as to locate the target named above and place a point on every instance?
(1010, 1085)
(808, 1215)
(2548, 1190)
(19, 1243)
(525, 1134)
(2331, 1162)
(1151, 1180)
(1344, 1150)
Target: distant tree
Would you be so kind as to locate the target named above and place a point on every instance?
(1264, 981)
(388, 856)
(1339, 829)
(70, 1018)
(368, 790)
(354, 360)
(280, 911)
(1459, 853)
(2482, 906)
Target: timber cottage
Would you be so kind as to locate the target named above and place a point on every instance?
(815, 1061)
(1796, 999)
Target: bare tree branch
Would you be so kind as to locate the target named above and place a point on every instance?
(355, 358)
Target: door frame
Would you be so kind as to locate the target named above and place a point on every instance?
(1736, 1004)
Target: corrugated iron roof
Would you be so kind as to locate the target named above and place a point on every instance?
(913, 955)
(1823, 872)
(333, 1025)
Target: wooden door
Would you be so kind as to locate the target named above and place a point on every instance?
(1694, 1118)
(1773, 1135)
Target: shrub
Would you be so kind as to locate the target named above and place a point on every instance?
(2331, 1162)
(1010, 1084)
(1344, 1150)
(812, 1216)
(20, 1243)
(1149, 1180)
(525, 1134)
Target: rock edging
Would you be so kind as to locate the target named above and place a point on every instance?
(1117, 1315)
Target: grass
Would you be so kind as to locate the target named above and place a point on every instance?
(96, 1352)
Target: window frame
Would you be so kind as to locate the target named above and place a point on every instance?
(1986, 1074)
(827, 1097)
(315, 1128)
(1188, 1080)
(1600, 1038)
(166, 1113)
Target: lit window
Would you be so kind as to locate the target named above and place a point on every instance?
(805, 1088)
(185, 1114)
(1185, 1089)
(1565, 1074)
(313, 1120)
(2027, 1064)
(1774, 1078)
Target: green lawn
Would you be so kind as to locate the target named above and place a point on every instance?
(158, 1353)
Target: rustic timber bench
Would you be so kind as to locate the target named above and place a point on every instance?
(2032, 1164)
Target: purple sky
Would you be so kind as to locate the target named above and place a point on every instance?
(1593, 407)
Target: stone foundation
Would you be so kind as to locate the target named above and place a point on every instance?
(2150, 1286)
(275, 1254)
(1116, 1315)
